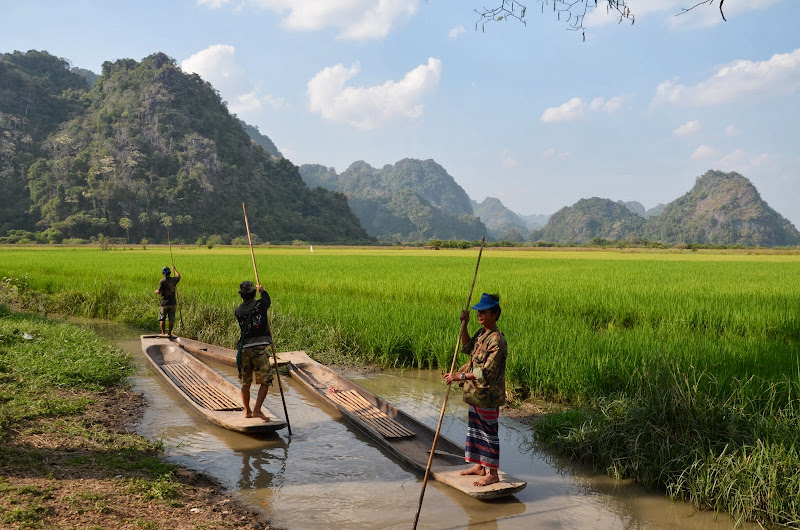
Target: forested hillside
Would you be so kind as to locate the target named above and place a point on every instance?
(261, 139)
(589, 219)
(412, 200)
(145, 149)
(502, 223)
(722, 208)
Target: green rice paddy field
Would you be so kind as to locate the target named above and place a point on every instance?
(579, 323)
(681, 367)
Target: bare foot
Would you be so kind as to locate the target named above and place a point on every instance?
(488, 479)
(248, 414)
(259, 414)
(477, 469)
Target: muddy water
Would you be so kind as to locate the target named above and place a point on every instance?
(329, 475)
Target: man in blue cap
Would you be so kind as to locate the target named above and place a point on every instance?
(168, 289)
(483, 382)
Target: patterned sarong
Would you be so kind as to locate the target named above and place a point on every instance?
(483, 443)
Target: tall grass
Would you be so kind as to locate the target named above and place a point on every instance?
(731, 448)
(578, 323)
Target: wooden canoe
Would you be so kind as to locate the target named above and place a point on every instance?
(216, 398)
(402, 436)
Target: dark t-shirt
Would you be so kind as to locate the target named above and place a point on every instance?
(167, 287)
(258, 334)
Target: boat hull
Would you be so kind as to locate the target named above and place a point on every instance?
(384, 423)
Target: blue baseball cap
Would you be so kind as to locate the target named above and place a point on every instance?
(487, 301)
(165, 270)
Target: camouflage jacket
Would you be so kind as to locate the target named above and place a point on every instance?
(488, 365)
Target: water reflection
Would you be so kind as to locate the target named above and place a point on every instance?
(330, 475)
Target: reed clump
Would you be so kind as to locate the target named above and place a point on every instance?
(732, 448)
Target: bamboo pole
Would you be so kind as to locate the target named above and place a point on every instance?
(271, 343)
(177, 300)
(447, 394)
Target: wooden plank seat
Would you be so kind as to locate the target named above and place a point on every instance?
(195, 387)
(369, 414)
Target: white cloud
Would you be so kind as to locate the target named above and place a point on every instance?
(744, 162)
(703, 152)
(369, 107)
(552, 152)
(670, 12)
(608, 106)
(252, 101)
(687, 128)
(355, 19)
(456, 31)
(576, 108)
(286, 152)
(217, 65)
(572, 110)
(780, 74)
(732, 130)
(213, 4)
(507, 161)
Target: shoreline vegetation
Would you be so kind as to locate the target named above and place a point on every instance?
(68, 456)
(677, 368)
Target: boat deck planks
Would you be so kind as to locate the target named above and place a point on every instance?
(355, 403)
(196, 388)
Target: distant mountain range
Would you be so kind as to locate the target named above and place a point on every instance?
(400, 202)
(721, 209)
(143, 150)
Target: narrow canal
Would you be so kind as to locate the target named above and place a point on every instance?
(329, 475)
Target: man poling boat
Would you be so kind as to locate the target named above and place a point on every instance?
(252, 360)
(483, 381)
(256, 338)
(168, 289)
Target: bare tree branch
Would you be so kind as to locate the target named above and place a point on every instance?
(709, 2)
(572, 12)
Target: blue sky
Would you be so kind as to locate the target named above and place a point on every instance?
(530, 114)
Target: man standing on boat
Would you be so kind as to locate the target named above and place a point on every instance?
(483, 382)
(252, 359)
(168, 289)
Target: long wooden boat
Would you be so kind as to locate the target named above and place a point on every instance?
(216, 398)
(401, 435)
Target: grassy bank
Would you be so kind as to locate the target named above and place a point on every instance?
(67, 458)
(729, 448)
